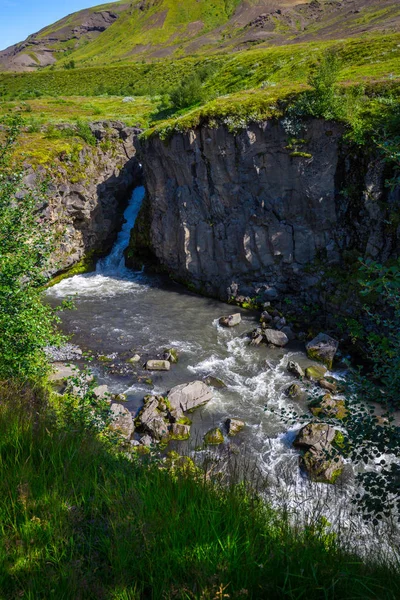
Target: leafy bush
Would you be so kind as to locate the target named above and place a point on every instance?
(188, 93)
(26, 242)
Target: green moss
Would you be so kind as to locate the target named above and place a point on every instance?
(214, 437)
(315, 372)
(315, 355)
(184, 421)
(300, 155)
(86, 265)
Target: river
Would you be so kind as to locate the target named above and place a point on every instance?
(120, 312)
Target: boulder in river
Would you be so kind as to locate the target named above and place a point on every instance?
(233, 426)
(315, 372)
(189, 396)
(265, 317)
(323, 349)
(329, 407)
(179, 431)
(293, 391)
(153, 418)
(158, 365)
(276, 338)
(171, 354)
(135, 359)
(214, 437)
(327, 385)
(122, 421)
(320, 458)
(231, 320)
(295, 369)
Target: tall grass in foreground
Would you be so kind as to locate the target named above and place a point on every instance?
(78, 521)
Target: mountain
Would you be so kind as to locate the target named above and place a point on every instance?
(153, 29)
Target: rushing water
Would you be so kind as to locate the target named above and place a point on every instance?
(120, 311)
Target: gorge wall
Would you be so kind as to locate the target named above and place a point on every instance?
(89, 193)
(258, 213)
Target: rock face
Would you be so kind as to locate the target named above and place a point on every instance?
(189, 396)
(88, 213)
(238, 214)
(323, 348)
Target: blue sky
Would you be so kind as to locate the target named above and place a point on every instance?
(19, 18)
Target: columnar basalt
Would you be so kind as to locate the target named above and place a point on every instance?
(244, 213)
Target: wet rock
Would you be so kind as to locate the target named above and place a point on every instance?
(265, 317)
(158, 365)
(189, 396)
(321, 467)
(323, 349)
(315, 372)
(329, 407)
(171, 354)
(102, 392)
(214, 382)
(279, 322)
(233, 426)
(293, 391)
(214, 437)
(295, 369)
(256, 337)
(153, 420)
(315, 435)
(122, 421)
(135, 359)
(120, 397)
(180, 431)
(276, 338)
(231, 320)
(328, 385)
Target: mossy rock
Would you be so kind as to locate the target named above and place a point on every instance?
(316, 372)
(214, 437)
(320, 467)
(293, 391)
(329, 407)
(171, 354)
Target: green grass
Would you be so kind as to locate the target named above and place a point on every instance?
(80, 521)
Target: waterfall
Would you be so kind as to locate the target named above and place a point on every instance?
(114, 263)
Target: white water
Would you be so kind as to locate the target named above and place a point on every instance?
(118, 310)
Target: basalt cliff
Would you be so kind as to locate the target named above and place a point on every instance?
(253, 214)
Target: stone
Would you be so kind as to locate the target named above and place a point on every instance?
(158, 365)
(152, 420)
(121, 421)
(327, 385)
(293, 391)
(329, 407)
(146, 440)
(316, 435)
(189, 396)
(214, 437)
(102, 392)
(231, 320)
(135, 359)
(315, 372)
(295, 369)
(171, 354)
(120, 397)
(321, 467)
(214, 382)
(61, 373)
(180, 431)
(288, 332)
(276, 338)
(265, 317)
(234, 426)
(323, 349)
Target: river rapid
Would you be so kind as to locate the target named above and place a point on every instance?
(120, 313)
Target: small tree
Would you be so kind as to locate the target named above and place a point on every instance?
(27, 325)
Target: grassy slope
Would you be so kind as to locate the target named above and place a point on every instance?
(79, 522)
